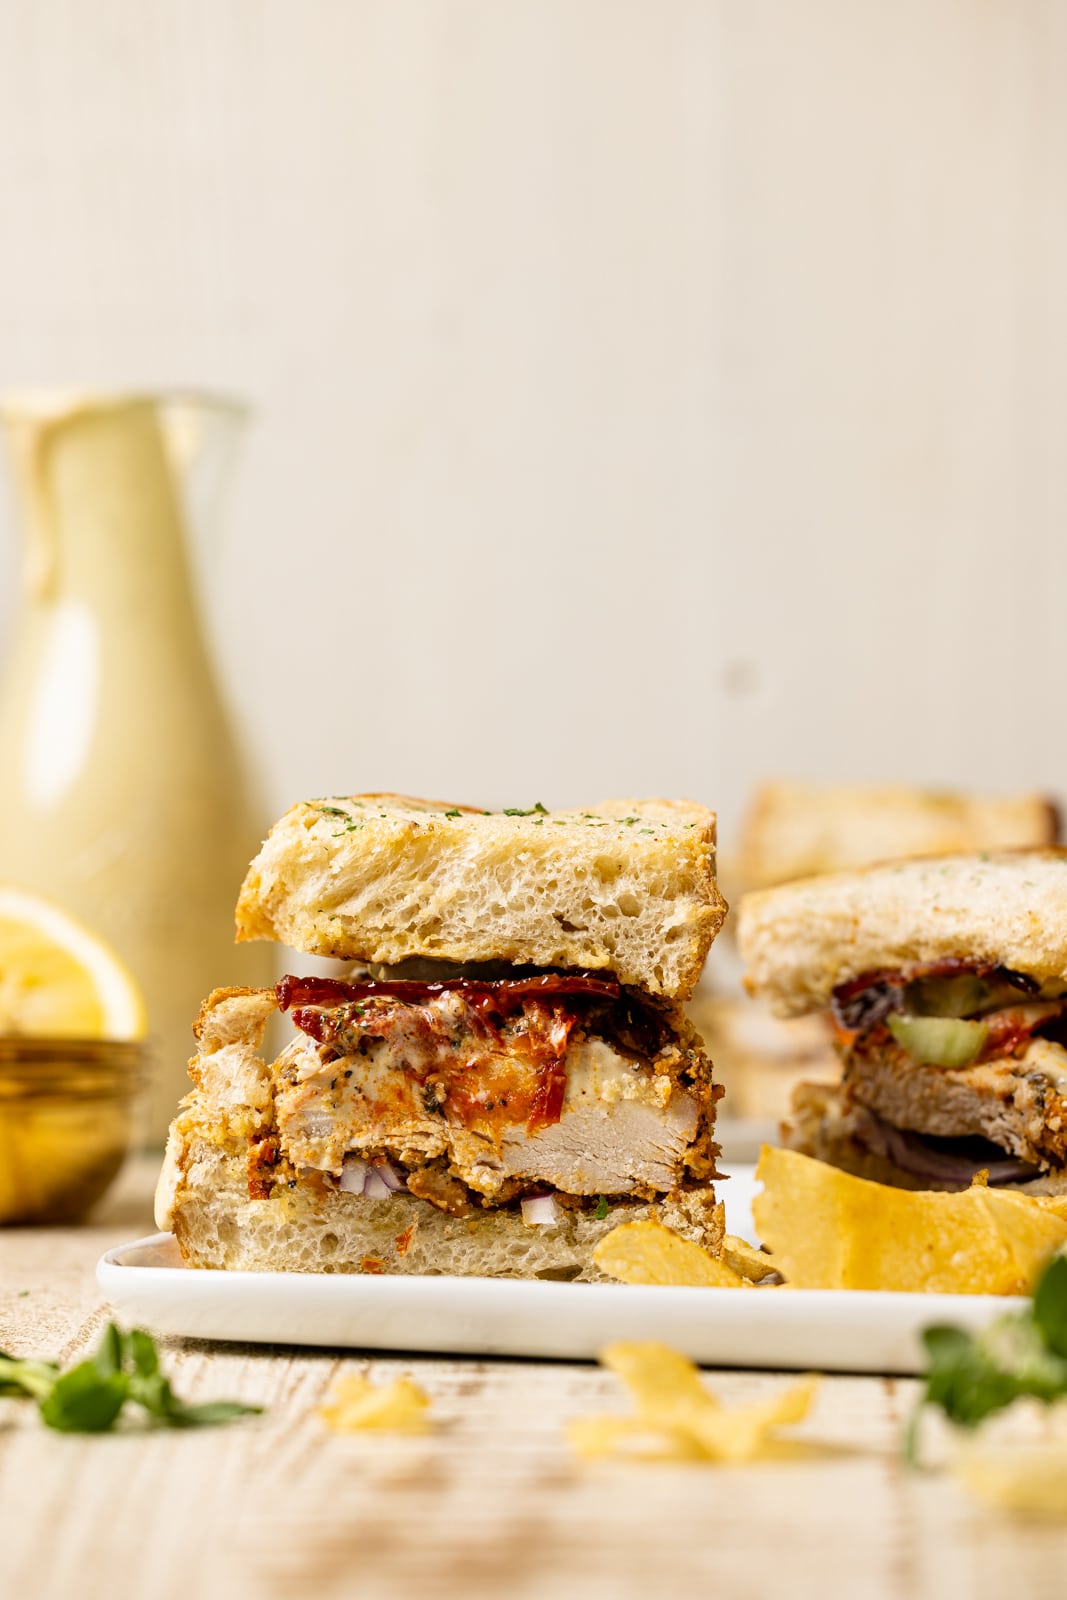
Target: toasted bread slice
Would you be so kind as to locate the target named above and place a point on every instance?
(794, 830)
(627, 886)
(217, 1224)
(801, 940)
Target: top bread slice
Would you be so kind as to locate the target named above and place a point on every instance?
(800, 940)
(626, 886)
(794, 830)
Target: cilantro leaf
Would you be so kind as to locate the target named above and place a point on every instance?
(210, 1413)
(110, 1354)
(89, 1398)
(83, 1400)
(1024, 1353)
(26, 1378)
(142, 1353)
(1050, 1305)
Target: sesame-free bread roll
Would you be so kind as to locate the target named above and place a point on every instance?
(801, 940)
(627, 886)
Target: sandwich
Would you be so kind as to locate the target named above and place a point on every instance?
(502, 1074)
(795, 830)
(946, 982)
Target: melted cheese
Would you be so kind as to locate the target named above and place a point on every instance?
(1044, 1055)
(596, 1072)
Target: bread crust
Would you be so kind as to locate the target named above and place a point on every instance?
(626, 886)
(801, 940)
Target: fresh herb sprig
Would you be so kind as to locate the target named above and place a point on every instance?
(90, 1396)
(1024, 1353)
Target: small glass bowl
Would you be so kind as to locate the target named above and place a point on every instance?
(68, 1114)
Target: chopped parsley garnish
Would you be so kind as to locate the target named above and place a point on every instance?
(629, 820)
(537, 809)
(601, 1208)
(454, 812)
(332, 811)
(1023, 1353)
(89, 1397)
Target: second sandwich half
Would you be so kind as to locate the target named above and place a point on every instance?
(505, 1075)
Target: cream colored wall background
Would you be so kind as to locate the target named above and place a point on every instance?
(651, 394)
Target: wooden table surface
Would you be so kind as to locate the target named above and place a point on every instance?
(490, 1503)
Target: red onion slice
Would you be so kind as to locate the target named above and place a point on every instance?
(389, 1175)
(540, 1211)
(353, 1175)
(375, 1186)
(376, 1179)
(912, 1153)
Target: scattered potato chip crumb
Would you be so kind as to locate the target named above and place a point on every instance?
(358, 1404)
(1030, 1478)
(677, 1418)
(648, 1253)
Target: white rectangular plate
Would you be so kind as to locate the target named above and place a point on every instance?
(830, 1330)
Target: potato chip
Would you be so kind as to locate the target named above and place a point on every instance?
(648, 1253)
(676, 1418)
(1028, 1478)
(829, 1230)
(666, 1386)
(358, 1404)
(745, 1259)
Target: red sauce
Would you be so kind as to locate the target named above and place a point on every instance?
(480, 1065)
(547, 1107)
(501, 991)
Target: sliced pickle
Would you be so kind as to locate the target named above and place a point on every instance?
(964, 994)
(939, 1041)
(958, 996)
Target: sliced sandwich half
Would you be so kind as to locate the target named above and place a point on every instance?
(947, 982)
(505, 1075)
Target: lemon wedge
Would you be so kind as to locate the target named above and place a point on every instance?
(57, 979)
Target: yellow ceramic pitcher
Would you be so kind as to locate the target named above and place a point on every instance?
(122, 795)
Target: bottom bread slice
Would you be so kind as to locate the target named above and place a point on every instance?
(307, 1229)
